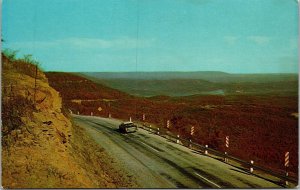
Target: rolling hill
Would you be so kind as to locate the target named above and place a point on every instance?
(261, 126)
(193, 83)
(212, 76)
(74, 87)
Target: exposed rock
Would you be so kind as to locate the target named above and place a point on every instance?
(40, 150)
(47, 122)
(35, 146)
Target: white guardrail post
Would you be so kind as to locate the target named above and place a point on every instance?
(177, 140)
(251, 167)
(225, 158)
(285, 177)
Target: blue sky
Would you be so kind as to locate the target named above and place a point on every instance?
(236, 36)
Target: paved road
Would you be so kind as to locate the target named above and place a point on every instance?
(158, 163)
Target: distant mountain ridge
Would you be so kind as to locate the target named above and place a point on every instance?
(191, 83)
(155, 75)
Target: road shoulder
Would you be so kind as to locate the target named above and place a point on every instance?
(101, 168)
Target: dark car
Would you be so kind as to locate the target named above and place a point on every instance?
(127, 127)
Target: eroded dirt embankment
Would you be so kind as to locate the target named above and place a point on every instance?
(41, 148)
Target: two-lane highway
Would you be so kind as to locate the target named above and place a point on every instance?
(155, 162)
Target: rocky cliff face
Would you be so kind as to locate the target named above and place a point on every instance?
(36, 136)
(38, 147)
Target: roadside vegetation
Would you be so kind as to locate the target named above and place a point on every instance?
(26, 65)
(15, 105)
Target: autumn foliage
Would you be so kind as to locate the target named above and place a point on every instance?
(261, 128)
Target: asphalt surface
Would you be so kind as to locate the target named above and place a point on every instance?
(155, 162)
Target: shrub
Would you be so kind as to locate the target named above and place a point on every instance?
(26, 65)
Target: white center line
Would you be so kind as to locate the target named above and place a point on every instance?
(208, 180)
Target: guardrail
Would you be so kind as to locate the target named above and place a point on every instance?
(211, 152)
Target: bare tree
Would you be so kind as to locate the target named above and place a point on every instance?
(10, 54)
(28, 58)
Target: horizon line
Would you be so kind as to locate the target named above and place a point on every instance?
(171, 72)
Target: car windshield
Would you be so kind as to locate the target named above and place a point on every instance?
(129, 125)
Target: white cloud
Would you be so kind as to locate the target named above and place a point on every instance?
(87, 43)
(259, 40)
(120, 43)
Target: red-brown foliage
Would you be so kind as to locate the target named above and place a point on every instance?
(261, 128)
